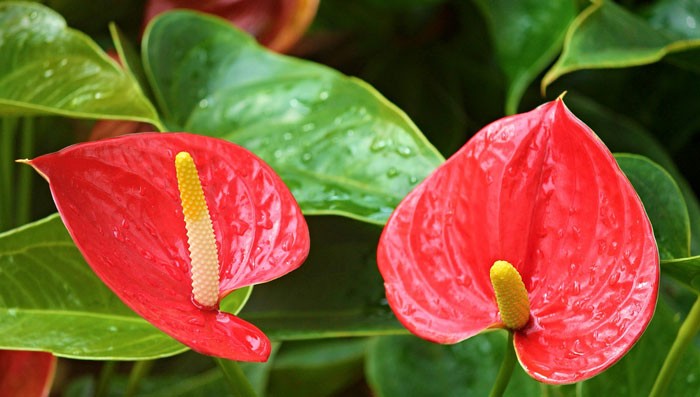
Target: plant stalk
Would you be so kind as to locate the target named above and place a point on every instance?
(106, 373)
(138, 372)
(685, 337)
(236, 379)
(506, 371)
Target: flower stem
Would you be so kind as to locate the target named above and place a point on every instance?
(102, 387)
(685, 337)
(506, 371)
(236, 379)
(138, 372)
(24, 183)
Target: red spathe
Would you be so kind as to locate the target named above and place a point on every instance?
(541, 191)
(120, 202)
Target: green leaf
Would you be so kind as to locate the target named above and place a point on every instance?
(50, 300)
(337, 292)
(527, 36)
(337, 143)
(409, 366)
(679, 18)
(685, 270)
(634, 375)
(663, 202)
(48, 68)
(316, 368)
(605, 35)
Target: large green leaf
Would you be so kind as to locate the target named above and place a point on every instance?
(50, 300)
(337, 292)
(527, 36)
(48, 68)
(338, 144)
(606, 35)
(663, 202)
(409, 366)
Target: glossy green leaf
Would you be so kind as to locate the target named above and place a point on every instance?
(337, 143)
(409, 366)
(527, 36)
(337, 292)
(317, 368)
(48, 68)
(50, 300)
(679, 18)
(605, 35)
(663, 202)
(684, 270)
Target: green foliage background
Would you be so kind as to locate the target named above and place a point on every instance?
(426, 75)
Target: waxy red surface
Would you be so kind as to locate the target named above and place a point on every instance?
(120, 202)
(541, 191)
(25, 373)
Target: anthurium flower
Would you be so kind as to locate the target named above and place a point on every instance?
(532, 227)
(276, 24)
(26, 373)
(174, 222)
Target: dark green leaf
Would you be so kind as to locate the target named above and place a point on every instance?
(685, 270)
(339, 145)
(621, 134)
(50, 300)
(316, 368)
(337, 292)
(527, 36)
(679, 18)
(606, 35)
(48, 68)
(663, 202)
(409, 366)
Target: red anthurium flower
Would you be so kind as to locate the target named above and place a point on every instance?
(25, 373)
(171, 238)
(277, 24)
(541, 192)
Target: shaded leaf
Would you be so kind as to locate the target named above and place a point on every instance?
(663, 203)
(317, 368)
(684, 270)
(409, 366)
(347, 298)
(605, 35)
(48, 68)
(339, 146)
(624, 135)
(50, 300)
(527, 36)
(678, 18)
